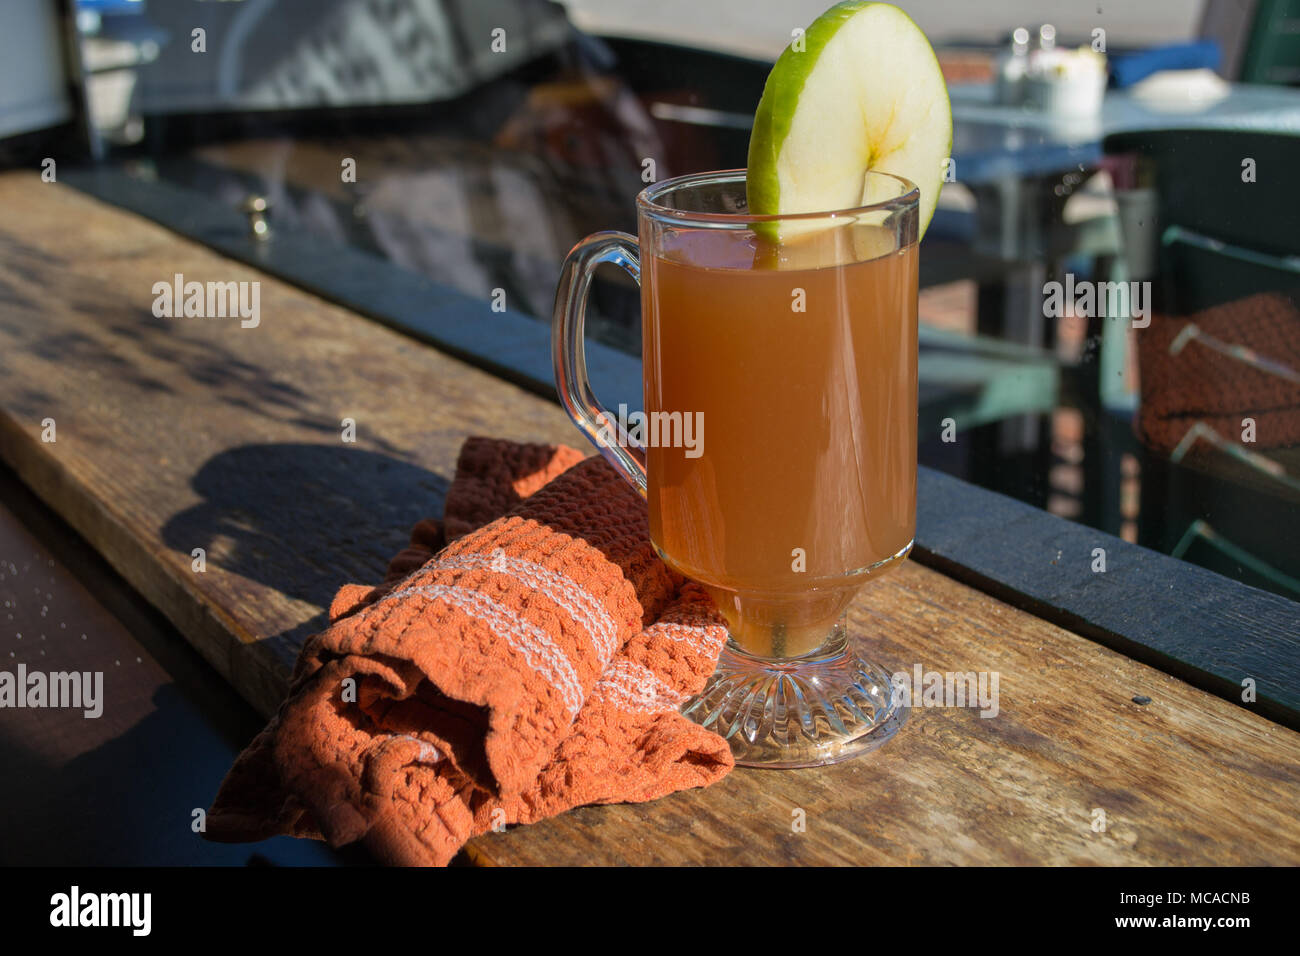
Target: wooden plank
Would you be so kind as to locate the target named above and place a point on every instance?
(175, 434)
(1186, 779)
(178, 433)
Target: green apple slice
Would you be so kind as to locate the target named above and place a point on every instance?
(861, 92)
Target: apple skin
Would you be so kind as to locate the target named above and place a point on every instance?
(776, 110)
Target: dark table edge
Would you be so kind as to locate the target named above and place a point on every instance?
(1194, 624)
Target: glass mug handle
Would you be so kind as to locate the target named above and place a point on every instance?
(568, 350)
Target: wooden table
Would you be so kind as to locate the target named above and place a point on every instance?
(177, 434)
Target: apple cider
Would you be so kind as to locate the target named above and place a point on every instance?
(799, 359)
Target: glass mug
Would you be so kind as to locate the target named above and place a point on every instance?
(777, 450)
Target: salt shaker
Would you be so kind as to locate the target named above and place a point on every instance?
(1011, 69)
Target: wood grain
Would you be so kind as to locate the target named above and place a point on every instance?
(182, 433)
(176, 434)
(1186, 779)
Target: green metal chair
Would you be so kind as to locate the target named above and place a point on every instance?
(1272, 53)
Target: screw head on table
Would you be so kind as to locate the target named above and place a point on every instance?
(257, 208)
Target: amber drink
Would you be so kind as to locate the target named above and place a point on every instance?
(799, 361)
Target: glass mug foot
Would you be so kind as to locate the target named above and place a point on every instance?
(828, 706)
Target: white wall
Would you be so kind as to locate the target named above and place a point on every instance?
(33, 92)
(762, 27)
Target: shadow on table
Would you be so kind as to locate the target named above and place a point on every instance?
(131, 801)
(300, 518)
(305, 519)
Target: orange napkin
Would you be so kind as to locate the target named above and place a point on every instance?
(534, 663)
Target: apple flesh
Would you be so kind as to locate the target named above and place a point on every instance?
(860, 91)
